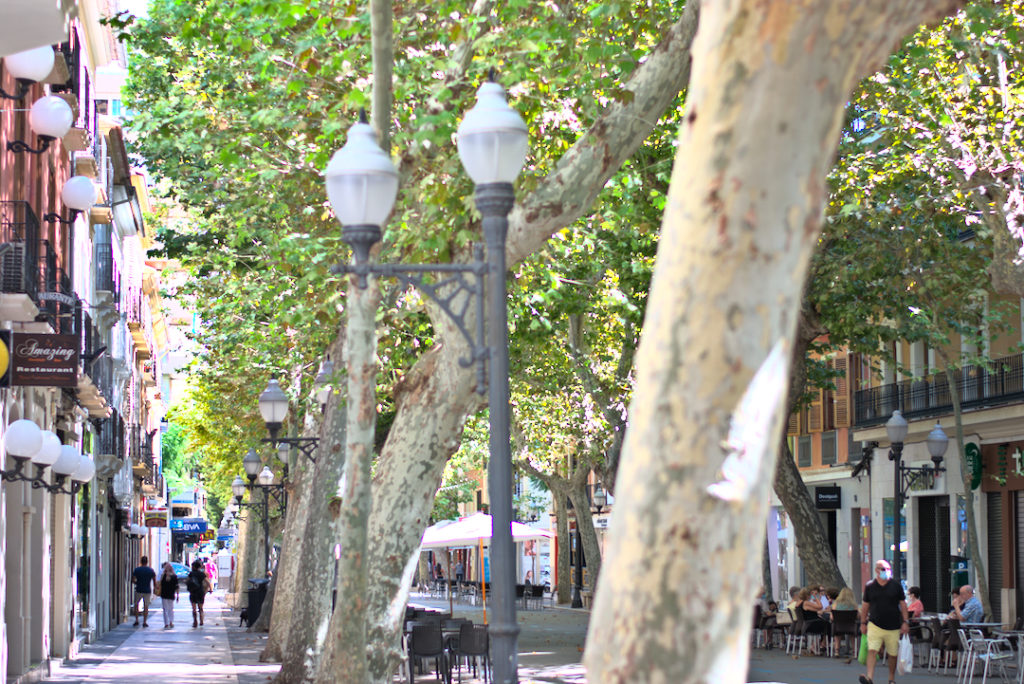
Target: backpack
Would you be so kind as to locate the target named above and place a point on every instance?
(192, 583)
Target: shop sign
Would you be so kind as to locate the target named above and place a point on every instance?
(39, 360)
(156, 517)
(188, 525)
(972, 455)
(828, 498)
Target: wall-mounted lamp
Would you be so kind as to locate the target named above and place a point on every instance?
(78, 195)
(50, 118)
(28, 67)
(25, 443)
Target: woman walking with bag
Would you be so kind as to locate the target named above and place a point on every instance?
(168, 594)
(198, 584)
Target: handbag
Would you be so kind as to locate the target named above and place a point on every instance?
(905, 659)
(862, 657)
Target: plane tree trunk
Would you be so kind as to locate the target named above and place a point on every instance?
(765, 105)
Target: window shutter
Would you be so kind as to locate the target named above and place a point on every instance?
(793, 428)
(816, 412)
(841, 397)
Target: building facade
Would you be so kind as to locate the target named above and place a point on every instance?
(73, 276)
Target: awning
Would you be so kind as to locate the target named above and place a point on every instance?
(470, 530)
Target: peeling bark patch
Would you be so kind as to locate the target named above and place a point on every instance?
(692, 117)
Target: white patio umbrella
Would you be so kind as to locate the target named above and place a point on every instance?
(475, 530)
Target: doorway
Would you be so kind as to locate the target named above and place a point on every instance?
(933, 544)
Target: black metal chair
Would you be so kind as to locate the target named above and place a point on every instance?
(844, 624)
(473, 644)
(426, 641)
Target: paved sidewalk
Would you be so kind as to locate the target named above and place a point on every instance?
(776, 666)
(154, 655)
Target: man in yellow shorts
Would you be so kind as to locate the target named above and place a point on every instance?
(883, 618)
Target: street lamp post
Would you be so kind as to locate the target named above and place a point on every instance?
(262, 480)
(362, 184)
(904, 477)
(274, 409)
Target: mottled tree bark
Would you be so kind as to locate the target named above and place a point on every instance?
(311, 600)
(344, 653)
(765, 105)
(811, 539)
(288, 566)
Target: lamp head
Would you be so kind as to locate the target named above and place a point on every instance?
(273, 406)
(86, 469)
(896, 428)
(51, 117)
(31, 65)
(362, 182)
(251, 463)
(937, 443)
(600, 496)
(322, 383)
(266, 476)
(237, 488)
(78, 193)
(492, 138)
(283, 452)
(49, 452)
(68, 462)
(23, 439)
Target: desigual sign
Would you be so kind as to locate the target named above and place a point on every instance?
(40, 360)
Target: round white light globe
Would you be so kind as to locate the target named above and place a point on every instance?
(31, 65)
(23, 439)
(79, 193)
(85, 470)
(51, 116)
(68, 462)
(50, 450)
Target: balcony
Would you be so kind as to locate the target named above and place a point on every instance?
(19, 256)
(108, 291)
(58, 303)
(96, 376)
(140, 324)
(978, 387)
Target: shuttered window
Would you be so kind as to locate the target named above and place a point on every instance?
(828, 447)
(841, 395)
(994, 502)
(803, 451)
(816, 412)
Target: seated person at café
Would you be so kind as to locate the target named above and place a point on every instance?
(813, 623)
(794, 600)
(967, 607)
(845, 600)
(914, 605)
(769, 620)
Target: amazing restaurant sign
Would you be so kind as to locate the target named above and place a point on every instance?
(38, 360)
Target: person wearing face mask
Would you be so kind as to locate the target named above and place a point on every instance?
(883, 618)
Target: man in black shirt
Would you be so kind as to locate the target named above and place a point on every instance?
(144, 576)
(883, 618)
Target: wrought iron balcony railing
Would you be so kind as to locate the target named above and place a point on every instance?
(978, 386)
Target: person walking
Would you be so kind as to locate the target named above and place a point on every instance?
(198, 584)
(168, 594)
(144, 577)
(883, 618)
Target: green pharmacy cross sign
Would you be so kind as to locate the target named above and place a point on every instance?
(972, 454)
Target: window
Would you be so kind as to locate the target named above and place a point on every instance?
(828, 447)
(803, 451)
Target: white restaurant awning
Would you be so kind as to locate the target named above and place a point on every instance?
(472, 529)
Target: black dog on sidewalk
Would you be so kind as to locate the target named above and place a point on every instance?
(243, 616)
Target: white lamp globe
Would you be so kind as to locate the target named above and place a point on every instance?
(266, 476)
(31, 65)
(23, 439)
(85, 470)
(362, 183)
(49, 452)
(237, 488)
(51, 116)
(68, 462)
(78, 193)
(273, 403)
(492, 138)
(896, 427)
